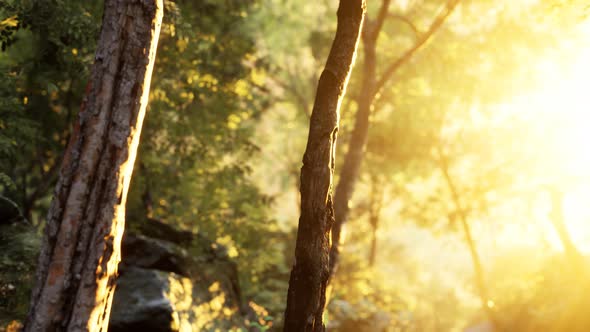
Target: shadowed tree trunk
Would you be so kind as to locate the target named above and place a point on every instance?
(371, 86)
(81, 247)
(354, 156)
(306, 297)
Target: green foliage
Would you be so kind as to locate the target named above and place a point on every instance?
(43, 74)
(19, 246)
(196, 142)
(16, 129)
(194, 160)
(225, 130)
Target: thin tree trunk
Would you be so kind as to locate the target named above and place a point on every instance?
(573, 255)
(81, 247)
(374, 216)
(356, 148)
(477, 267)
(306, 297)
(373, 252)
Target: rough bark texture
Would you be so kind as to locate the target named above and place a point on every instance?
(369, 89)
(81, 247)
(309, 276)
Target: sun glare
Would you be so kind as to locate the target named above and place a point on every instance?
(560, 113)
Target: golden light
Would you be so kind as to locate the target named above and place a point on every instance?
(559, 113)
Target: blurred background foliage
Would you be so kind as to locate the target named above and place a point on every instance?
(495, 100)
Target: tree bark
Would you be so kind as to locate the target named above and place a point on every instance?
(81, 247)
(358, 140)
(306, 297)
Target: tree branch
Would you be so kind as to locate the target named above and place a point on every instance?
(378, 24)
(393, 67)
(408, 22)
(299, 97)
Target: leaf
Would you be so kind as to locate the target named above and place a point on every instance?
(9, 22)
(6, 181)
(51, 88)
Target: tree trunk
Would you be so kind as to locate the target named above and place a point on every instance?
(309, 277)
(373, 252)
(356, 148)
(377, 191)
(480, 282)
(81, 248)
(571, 252)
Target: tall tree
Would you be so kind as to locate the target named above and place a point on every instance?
(81, 247)
(370, 88)
(309, 277)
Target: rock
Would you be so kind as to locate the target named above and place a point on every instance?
(158, 229)
(157, 301)
(163, 287)
(203, 249)
(142, 302)
(196, 262)
(141, 251)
